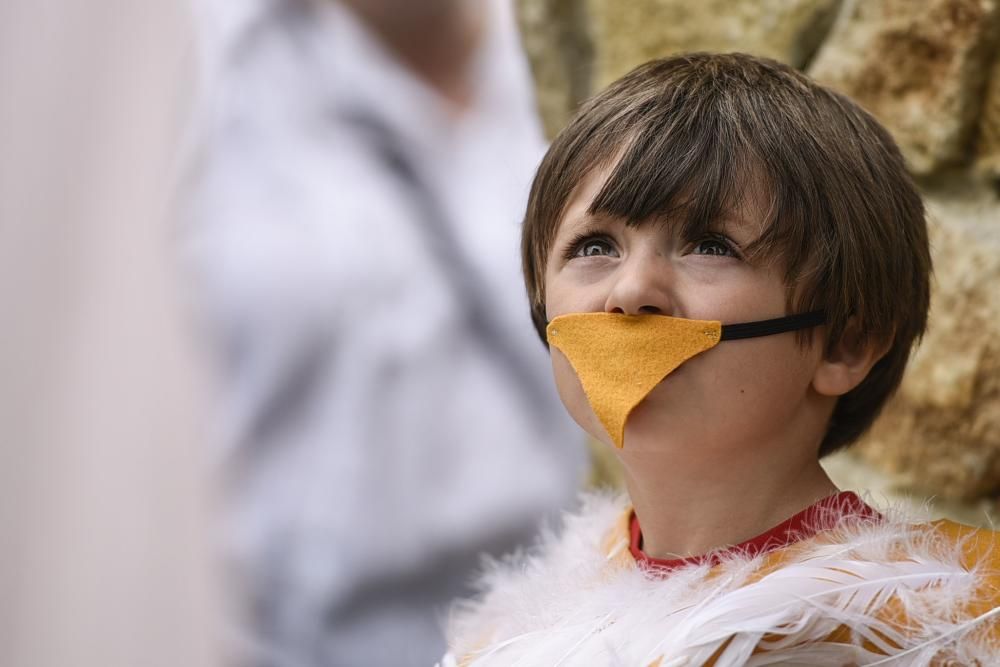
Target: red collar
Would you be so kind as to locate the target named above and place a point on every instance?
(820, 516)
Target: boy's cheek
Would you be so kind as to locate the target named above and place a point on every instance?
(573, 397)
(563, 297)
(554, 309)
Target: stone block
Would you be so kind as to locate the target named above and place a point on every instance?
(920, 67)
(988, 143)
(941, 433)
(850, 472)
(627, 34)
(557, 41)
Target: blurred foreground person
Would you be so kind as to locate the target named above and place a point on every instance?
(104, 501)
(387, 415)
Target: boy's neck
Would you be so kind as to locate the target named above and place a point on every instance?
(686, 511)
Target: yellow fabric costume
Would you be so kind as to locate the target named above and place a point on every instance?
(620, 358)
(866, 592)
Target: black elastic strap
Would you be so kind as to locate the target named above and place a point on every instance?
(775, 326)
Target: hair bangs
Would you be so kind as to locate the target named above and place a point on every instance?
(693, 175)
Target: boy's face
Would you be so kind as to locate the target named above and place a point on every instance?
(743, 391)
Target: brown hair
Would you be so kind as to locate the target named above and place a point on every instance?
(686, 135)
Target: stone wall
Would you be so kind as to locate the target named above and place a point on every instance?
(930, 71)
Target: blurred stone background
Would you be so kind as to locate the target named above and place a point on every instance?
(930, 71)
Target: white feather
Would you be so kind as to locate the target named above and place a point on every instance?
(569, 605)
(803, 603)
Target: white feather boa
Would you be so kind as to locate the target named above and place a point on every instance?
(571, 603)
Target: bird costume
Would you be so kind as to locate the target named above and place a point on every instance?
(840, 584)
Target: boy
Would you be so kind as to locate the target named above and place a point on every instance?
(730, 265)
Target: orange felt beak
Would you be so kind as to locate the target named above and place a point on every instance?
(620, 358)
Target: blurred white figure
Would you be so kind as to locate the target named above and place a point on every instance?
(388, 410)
(105, 538)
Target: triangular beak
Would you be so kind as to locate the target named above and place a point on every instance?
(620, 358)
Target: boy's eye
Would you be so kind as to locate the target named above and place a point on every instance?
(594, 247)
(714, 246)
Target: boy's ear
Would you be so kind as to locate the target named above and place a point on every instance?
(847, 362)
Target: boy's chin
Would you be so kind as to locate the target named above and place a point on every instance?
(647, 420)
(591, 425)
(653, 423)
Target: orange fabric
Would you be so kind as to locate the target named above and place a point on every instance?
(620, 358)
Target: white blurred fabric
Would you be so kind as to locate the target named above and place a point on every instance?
(373, 443)
(104, 498)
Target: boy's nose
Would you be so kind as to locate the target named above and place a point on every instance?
(642, 287)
